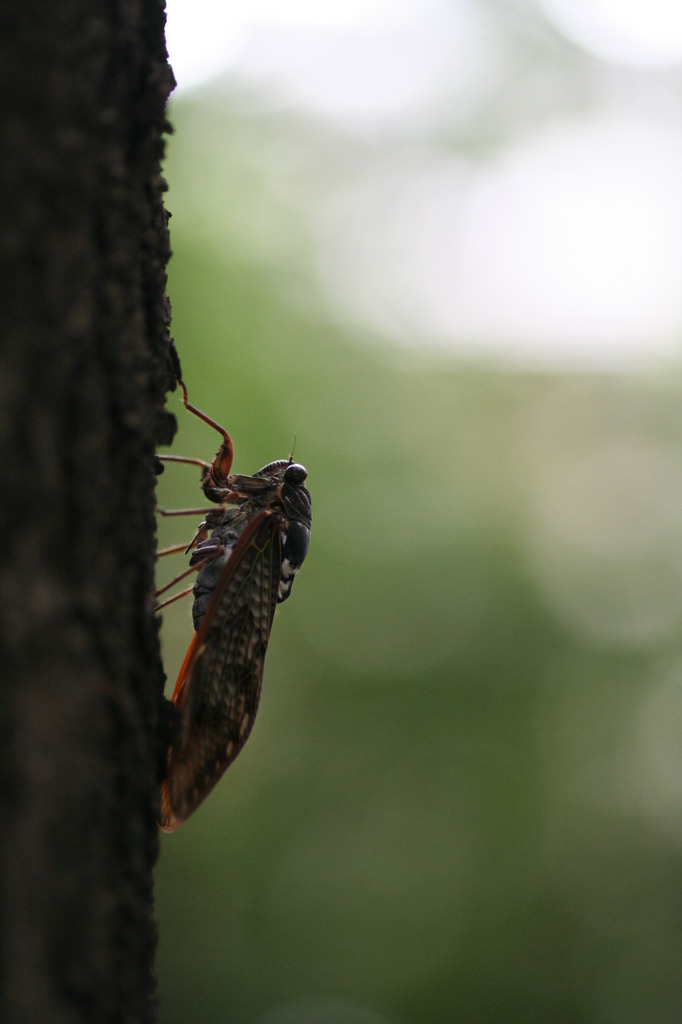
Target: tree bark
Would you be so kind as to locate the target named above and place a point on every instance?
(84, 368)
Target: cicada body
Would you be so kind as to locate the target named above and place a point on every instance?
(279, 484)
(249, 551)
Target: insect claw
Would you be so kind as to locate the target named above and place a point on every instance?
(199, 535)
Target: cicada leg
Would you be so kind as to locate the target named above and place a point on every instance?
(218, 550)
(171, 600)
(216, 473)
(174, 550)
(185, 511)
(214, 482)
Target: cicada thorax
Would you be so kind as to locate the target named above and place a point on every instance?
(248, 551)
(279, 485)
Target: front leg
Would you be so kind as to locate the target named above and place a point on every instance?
(237, 488)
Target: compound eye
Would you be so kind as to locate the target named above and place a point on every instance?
(295, 474)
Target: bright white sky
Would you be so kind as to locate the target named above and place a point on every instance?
(568, 250)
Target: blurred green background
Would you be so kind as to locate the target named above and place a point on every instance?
(462, 797)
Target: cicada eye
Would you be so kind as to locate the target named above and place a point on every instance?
(295, 474)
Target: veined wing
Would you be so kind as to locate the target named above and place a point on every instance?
(217, 693)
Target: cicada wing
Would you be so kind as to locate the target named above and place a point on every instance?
(218, 690)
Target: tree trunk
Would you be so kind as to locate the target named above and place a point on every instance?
(84, 367)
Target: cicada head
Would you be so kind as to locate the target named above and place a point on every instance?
(288, 478)
(296, 530)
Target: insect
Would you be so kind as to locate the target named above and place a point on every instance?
(246, 553)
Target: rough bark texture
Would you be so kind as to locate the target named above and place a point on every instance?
(84, 368)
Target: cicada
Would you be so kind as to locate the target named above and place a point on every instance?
(246, 554)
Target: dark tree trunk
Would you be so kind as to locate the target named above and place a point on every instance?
(84, 367)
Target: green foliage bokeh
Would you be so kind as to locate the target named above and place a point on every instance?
(461, 800)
